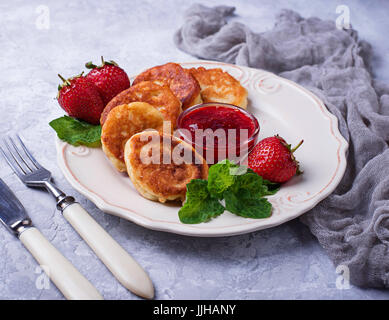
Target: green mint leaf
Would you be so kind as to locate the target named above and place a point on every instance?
(248, 206)
(244, 198)
(272, 188)
(220, 178)
(268, 188)
(251, 183)
(239, 170)
(77, 132)
(199, 206)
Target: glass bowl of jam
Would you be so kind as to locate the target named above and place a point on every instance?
(218, 131)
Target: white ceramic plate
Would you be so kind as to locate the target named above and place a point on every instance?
(280, 106)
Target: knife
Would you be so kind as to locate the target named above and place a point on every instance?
(111, 253)
(62, 273)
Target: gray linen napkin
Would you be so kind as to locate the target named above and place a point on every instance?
(352, 224)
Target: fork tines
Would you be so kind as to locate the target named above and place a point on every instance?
(19, 158)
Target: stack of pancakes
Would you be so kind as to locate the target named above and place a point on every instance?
(156, 97)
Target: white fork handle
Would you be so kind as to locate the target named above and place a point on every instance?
(65, 276)
(129, 273)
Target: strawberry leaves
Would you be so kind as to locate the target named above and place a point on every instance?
(90, 65)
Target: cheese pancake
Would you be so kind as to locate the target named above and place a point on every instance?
(160, 97)
(160, 180)
(219, 86)
(180, 81)
(122, 123)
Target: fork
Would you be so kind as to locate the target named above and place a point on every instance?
(129, 273)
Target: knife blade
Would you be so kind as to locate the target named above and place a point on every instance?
(12, 213)
(64, 275)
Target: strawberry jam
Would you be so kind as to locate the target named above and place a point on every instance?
(218, 131)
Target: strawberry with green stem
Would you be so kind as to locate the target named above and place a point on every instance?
(273, 159)
(109, 79)
(80, 98)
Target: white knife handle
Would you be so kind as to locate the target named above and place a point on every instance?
(130, 274)
(65, 276)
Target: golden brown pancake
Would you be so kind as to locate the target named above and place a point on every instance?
(122, 123)
(160, 97)
(219, 86)
(180, 81)
(158, 180)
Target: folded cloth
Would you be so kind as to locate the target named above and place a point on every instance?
(352, 224)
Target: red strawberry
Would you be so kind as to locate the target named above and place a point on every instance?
(80, 99)
(273, 159)
(109, 79)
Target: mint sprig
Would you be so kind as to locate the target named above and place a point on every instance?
(245, 197)
(77, 132)
(243, 204)
(199, 206)
(220, 178)
(242, 189)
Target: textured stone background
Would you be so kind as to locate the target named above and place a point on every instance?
(285, 262)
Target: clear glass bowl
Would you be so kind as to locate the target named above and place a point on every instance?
(215, 151)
